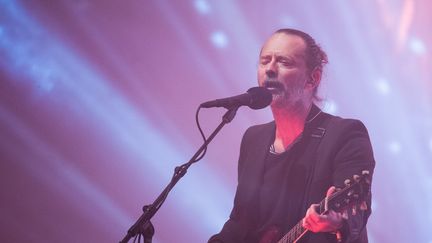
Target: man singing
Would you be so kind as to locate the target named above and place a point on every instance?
(289, 165)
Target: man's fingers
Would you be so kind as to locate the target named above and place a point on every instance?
(311, 218)
(321, 223)
(331, 190)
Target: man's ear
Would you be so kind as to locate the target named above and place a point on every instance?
(315, 78)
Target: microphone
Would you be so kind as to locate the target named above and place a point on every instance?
(256, 98)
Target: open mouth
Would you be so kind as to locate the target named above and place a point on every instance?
(274, 87)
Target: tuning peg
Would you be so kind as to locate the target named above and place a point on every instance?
(363, 206)
(356, 178)
(354, 210)
(366, 173)
(347, 182)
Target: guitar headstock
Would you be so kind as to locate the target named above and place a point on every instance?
(353, 195)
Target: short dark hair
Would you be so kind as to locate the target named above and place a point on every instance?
(315, 57)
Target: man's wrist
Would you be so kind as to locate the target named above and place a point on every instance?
(342, 232)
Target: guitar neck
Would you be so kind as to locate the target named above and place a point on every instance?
(298, 231)
(294, 234)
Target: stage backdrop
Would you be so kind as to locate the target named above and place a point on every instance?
(97, 105)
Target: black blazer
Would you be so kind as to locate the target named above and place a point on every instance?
(332, 149)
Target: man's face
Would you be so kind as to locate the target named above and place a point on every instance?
(282, 68)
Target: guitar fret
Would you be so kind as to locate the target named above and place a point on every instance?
(293, 234)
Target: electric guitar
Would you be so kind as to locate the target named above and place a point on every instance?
(352, 196)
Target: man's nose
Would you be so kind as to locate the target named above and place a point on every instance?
(271, 69)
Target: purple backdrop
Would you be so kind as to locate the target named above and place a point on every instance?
(97, 105)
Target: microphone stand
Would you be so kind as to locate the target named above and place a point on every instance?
(143, 226)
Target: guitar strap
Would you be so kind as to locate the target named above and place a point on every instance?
(314, 134)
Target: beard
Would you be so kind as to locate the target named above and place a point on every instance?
(285, 96)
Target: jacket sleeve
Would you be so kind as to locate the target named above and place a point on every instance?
(235, 228)
(353, 155)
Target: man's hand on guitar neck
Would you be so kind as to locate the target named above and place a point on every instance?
(331, 221)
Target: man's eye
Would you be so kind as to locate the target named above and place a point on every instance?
(264, 61)
(286, 63)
